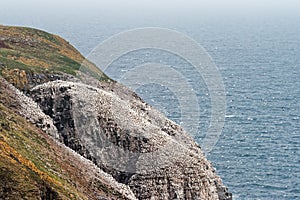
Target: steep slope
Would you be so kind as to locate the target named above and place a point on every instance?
(35, 166)
(130, 143)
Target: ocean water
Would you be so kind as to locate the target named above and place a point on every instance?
(258, 152)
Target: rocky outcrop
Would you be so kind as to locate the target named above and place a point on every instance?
(130, 140)
(33, 165)
(25, 80)
(26, 108)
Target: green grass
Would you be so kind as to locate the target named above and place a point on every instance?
(27, 141)
(42, 34)
(12, 64)
(47, 53)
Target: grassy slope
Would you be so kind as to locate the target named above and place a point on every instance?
(22, 172)
(37, 51)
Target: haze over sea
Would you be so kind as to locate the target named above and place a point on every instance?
(258, 55)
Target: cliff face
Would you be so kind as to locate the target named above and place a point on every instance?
(175, 168)
(137, 152)
(35, 166)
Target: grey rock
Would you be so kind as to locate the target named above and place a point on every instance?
(127, 138)
(27, 108)
(30, 110)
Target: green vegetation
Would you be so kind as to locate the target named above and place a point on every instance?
(41, 33)
(36, 51)
(26, 165)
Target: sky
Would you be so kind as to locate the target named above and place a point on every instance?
(149, 7)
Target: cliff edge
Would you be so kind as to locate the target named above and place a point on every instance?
(65, 136)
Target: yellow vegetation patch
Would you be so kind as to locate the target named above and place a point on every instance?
(14, 156)
(33, 62)
(71, 54)
(16, 77)
(68, 50)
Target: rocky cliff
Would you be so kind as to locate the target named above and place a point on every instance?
(34, 165)
(104, 141)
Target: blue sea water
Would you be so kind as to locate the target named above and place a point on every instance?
(258, 152)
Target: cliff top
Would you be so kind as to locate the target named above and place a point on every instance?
(36, 51)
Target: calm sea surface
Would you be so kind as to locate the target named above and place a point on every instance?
(258, 153)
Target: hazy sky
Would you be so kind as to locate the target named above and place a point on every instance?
(58, 15)
(152, 6)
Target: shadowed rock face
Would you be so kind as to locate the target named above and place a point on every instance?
(129, 139)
